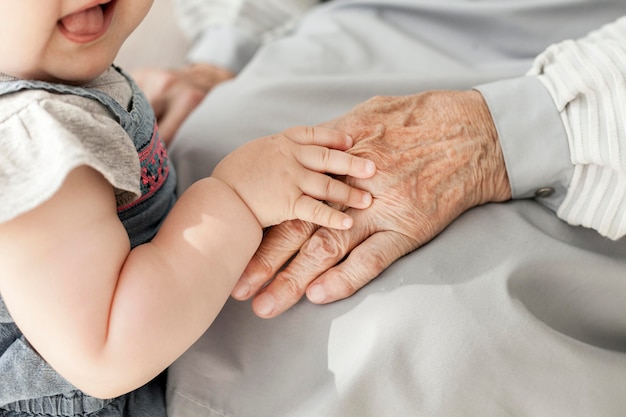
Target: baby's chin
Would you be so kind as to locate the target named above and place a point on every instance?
(81, 72)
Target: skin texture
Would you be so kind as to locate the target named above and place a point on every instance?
(437, 155)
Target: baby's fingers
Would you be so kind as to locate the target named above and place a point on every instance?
(315, 211)
(326, 188)
(321, 136)
(320, 159)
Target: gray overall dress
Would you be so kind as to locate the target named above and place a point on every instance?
(28, 385)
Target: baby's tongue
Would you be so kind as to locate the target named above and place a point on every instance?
(88, 22)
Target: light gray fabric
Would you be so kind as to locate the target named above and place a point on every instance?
(226, 47)
(509, 312)
(529, 124)
(227, 33)
(345, 53)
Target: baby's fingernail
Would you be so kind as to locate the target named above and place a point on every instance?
(264, 304)
(367, 199)
(349, 141)
(241, 290)
(370, 167)
(347, 222)
(317, 294)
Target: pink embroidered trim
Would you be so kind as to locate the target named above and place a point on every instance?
(154, 169)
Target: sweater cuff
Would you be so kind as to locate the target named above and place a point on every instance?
(533, 139)
(224, 46)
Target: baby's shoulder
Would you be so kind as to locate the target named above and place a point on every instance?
(58, 99)
(54, 103)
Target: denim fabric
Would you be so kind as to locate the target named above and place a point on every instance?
(28, 385)
(144, 402)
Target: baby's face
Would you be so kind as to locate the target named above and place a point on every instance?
(70, 41)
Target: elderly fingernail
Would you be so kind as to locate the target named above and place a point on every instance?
(370, 167)
(316, 294)
(264, 304)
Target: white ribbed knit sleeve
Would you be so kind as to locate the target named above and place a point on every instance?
(587, 80)
(257, 17)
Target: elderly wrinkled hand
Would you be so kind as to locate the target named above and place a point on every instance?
(437, 155)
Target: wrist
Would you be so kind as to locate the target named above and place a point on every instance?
(231, 189)
(231, 193)
(491, 175)
(206, 76)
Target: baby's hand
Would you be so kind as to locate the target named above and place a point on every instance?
(283, 177)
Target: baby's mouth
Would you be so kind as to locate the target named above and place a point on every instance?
(86, 23)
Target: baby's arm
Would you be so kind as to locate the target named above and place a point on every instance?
(109, 319)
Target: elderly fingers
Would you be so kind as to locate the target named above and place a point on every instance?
(322, 251)
(365, 262)
(279, 244)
